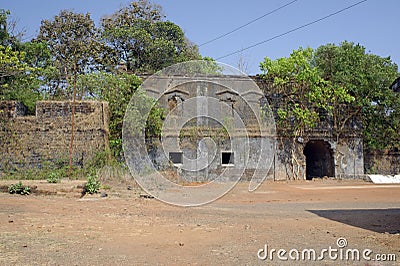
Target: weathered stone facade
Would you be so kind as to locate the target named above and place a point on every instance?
(317, 156)
(382, 162)
(316, 153)
(32, 141)
(207, 127)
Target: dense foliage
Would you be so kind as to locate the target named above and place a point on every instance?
(142, 41)
(117, 90)
(75, 49)
(305, 94)
(367, 77)
(342, 83)
(100, 62)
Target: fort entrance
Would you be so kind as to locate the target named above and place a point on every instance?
(319, 159)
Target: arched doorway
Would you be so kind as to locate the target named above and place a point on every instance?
(319, 159)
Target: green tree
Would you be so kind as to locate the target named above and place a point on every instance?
(18, 81)
(12, 63)
(306, 98)
(73, 41)
(4, 34)
(142, 41)
(75, 48)
(342, 85)
(8, 36)
(20, 77)
(117, 90)
(304, 92)
(367, 77)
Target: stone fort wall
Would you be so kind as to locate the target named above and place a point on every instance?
(32, 141)
(28, 142)
(383, 162)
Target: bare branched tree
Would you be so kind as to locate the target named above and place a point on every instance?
(242, 62)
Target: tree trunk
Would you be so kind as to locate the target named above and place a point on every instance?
(71, 147)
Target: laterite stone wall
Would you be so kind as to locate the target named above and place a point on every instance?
(32, 141)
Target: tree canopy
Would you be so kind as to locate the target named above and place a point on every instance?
(75, 48)
(21, 65)
(367, 77)
(143, 41)
(338, 82)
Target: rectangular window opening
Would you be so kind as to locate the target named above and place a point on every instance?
(176, 157)
(227, 158)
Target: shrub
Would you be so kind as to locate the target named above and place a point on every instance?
(53, 177)
(93, 184)
(19, 188)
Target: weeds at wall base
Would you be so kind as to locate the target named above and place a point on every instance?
(107, 170)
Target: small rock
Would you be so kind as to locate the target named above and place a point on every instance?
(181, 244)
(10, 221)
(145, 196)
(129, 188)
(103, 195)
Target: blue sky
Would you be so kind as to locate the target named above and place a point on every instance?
(372, 24)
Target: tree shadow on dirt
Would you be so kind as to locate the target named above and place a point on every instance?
(377, 220)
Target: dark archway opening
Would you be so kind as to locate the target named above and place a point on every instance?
(319, 159)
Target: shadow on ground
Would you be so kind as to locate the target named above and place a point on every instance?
(377, 220)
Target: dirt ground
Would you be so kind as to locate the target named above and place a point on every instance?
(55, 226)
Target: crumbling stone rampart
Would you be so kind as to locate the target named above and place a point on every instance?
(32, 141)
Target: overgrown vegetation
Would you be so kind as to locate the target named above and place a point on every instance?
(367, 78)
(57, 170)
(93, 184)
(339, 83)
(339, 89)
(19, 188)
(70, 50)
(53, 178)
